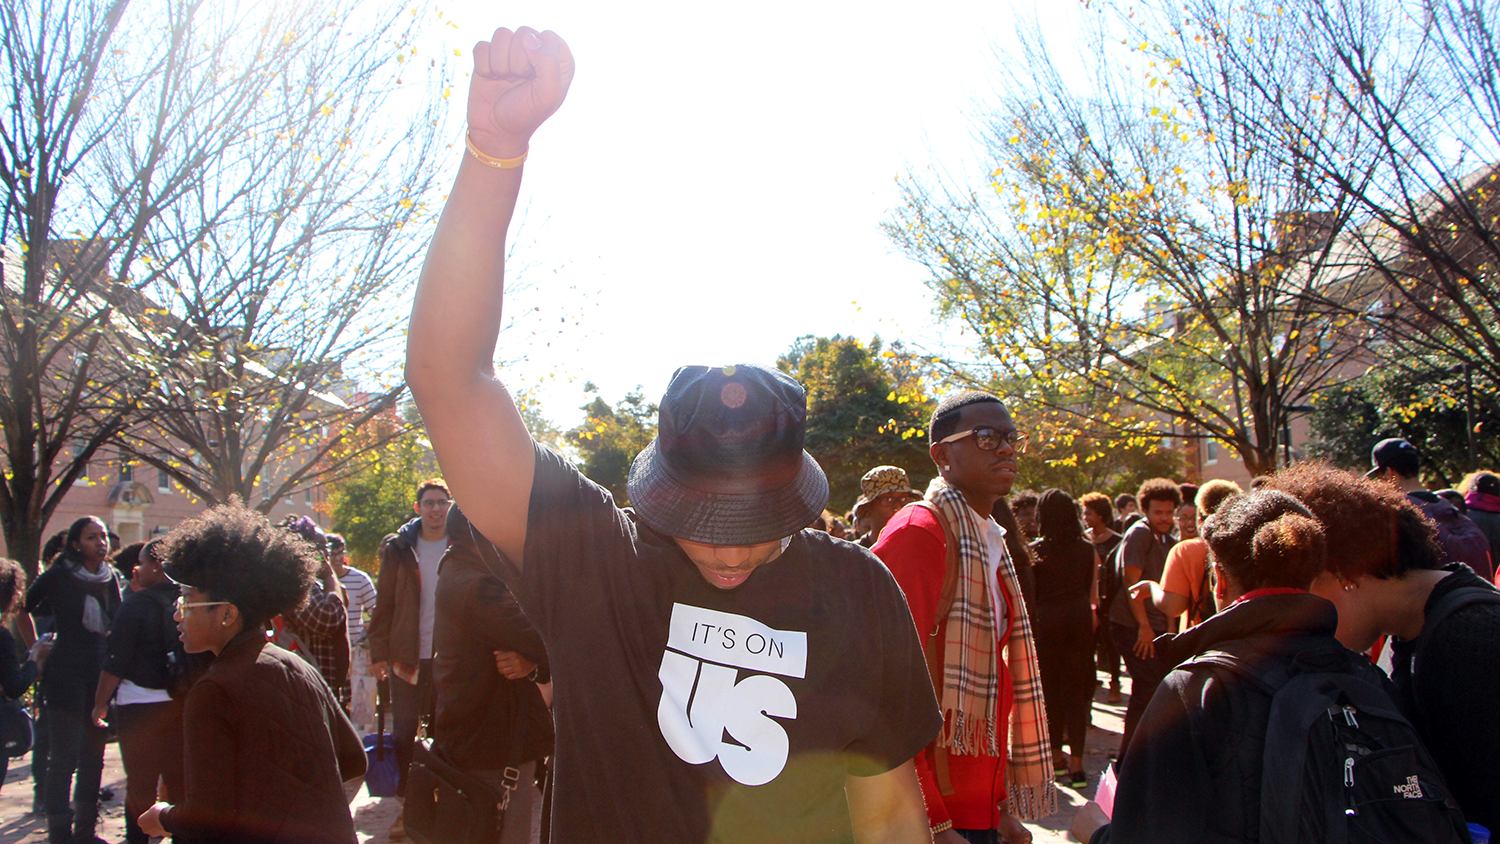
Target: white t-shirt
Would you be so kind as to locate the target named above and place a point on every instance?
(129, 693)
(429, 555)
(994, 541)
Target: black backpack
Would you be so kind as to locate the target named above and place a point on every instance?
(182, 668)
(1341, 763)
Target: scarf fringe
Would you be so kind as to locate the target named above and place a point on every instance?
(1032, 802)
(969, 735)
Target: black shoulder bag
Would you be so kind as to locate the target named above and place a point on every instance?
(446, 805)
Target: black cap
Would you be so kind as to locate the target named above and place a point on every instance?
(727, 465)
(1394, 453)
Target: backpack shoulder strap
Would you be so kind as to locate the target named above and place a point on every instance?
(950, 573)
(932, 643)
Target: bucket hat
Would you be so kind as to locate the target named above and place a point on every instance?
(881, 480)
(727, 465)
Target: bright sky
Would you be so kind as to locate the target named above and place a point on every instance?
(713, 187)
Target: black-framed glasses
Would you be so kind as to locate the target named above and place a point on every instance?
(438, 502)
(989, 439)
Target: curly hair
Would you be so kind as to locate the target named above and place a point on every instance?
(1024, 499)
(1372, 529)
(1057, 517)
(944, 421)
(1212, 494)
(12, 585)
(1158, 489)
(1267, 538)
(233, 554)
(1100, 504)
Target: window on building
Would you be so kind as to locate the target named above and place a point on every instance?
(83, 477)
(309, 495)
(127, 471)
(163, 481)
(1210, 452)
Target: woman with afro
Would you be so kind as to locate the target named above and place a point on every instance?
(267, 747)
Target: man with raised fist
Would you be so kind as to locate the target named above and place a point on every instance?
(720, 673)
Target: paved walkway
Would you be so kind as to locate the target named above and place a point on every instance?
(373, 816)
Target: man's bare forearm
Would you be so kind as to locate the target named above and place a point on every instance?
(520, 78)
(455, 319)
(888, 808)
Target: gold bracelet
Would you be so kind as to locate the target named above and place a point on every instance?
(942, 827)
(491, 161)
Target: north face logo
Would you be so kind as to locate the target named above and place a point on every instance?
(1412, 790)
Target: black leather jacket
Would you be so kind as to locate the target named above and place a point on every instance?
(477, 709)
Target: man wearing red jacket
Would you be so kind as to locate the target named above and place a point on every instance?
(987, 770)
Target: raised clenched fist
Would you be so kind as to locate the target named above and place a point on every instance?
(520, 79)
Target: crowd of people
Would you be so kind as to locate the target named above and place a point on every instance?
(1313, 658)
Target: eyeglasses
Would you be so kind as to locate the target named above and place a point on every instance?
(989, 439)
(442, 503)
(183, 605)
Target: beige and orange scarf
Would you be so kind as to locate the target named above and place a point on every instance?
(971, 688)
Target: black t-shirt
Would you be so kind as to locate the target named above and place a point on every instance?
(690, 714)
(1064, 579)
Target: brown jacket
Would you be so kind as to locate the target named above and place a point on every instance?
(267, 751)
(394, 632)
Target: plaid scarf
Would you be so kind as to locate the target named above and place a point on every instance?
(970, 697)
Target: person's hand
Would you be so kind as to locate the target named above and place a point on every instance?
(99, 716)
(513, 666)
(1087, 820)
(949, 836)
(1011, 830)
(329, 576)
(520, 79)
(39, 653)
(380, 670)
(1144, 647)
(150, 820)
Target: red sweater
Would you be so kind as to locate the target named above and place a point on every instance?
(913, 548)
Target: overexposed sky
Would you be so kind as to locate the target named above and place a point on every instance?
(713, 187)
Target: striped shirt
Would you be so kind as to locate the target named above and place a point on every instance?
(361, 592)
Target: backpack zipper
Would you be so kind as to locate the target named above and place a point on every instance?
(1349, 808)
